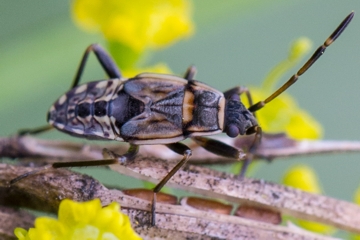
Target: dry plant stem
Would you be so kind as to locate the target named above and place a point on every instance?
(11, 218)
(199, 180)
(280, 198)
(195, 179)
(47, 189)
(163, 234)
(225, 228)
(273, 146)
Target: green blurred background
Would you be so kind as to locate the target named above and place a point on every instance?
(236, 43)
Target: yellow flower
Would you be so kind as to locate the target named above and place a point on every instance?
(357, 196)
(87, 220)
(138, 24)
(304, 178)
(283, 114)
(357, 201)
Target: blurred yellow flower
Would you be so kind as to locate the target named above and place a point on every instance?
(283, 114)
(138, 24)
(304, 178)
(87, 220)
(357, 201)
(357, 196)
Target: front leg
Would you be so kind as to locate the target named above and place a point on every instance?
(237, 91)
(219, 148)
(250, 155)
(225, 150)
(234, 94)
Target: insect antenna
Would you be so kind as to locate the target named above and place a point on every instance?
(316, 55)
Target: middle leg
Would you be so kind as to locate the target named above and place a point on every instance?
(181, 149)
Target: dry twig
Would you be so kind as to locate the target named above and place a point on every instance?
(273, 146)
(46, 190)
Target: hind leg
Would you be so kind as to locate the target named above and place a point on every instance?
(105, 61)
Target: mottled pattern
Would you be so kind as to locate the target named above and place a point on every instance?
(162, 116)
(83, 111)
(207, 110)
(147, 109)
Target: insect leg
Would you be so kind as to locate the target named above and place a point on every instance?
(105, 60)
(34, 131)
(316, 55)
(219, 148)
(190, 73)
(113, 159)
(222, 149)
(180, 149)
(129, 155)
(236, 91)
(250, 154)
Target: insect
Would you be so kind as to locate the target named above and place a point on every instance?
(160, 109)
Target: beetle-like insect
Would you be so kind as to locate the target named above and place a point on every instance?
(160, 109)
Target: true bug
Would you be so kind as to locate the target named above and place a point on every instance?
(159, 109)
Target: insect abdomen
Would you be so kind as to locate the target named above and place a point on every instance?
(85, 111)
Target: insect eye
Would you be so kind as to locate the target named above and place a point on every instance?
(232, 131)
